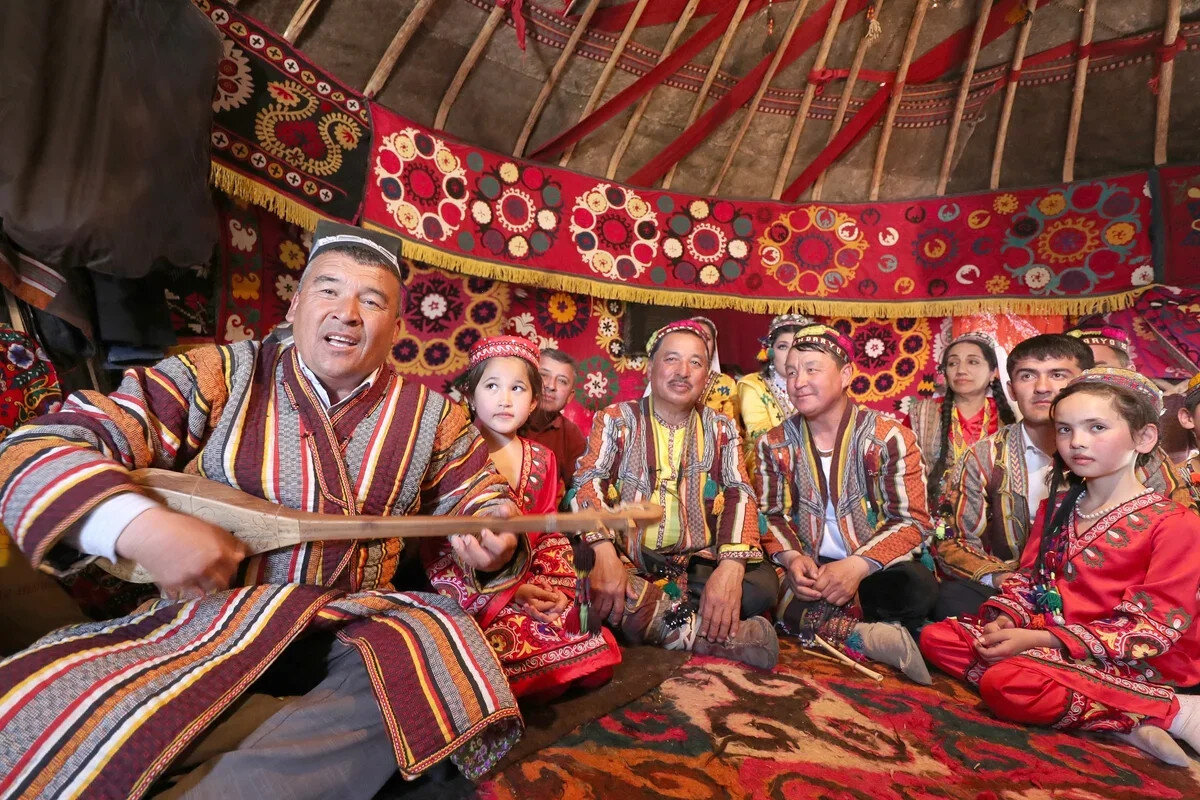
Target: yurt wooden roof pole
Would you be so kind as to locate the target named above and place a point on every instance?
(609, 68)
(752, 108)
(1166, 77)
(614, 160)
(810, 91)
(1010, 93)
(709, 77)
(1081, 67)
(387, 64)
(839, 116)
(296, 25)
(964, 91)
(556, 72)
(468, 63)
(885, 135)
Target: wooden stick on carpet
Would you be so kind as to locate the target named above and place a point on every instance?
(839, 117)
(606, 74)
(709, 77)
(1166, 78)
(387, 64)
(752, 108)
(885, 135)
(614, 161)
(1010, 93)
(964, 90)
(810, 91)
(556, 71)
(847, 660)
(468, 63)
(296, 25)
(1081, 68)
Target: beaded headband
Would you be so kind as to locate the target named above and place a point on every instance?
(334, 235)
(683, 325)
(978, 337)
(1124, 378)
(828, 339)
(707, 326)
(1116, 338)
(1192, 393)
(785, 320)
(501, 346)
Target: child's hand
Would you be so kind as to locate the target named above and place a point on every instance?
(1001, 644)
(544, 605)
(1000, 623)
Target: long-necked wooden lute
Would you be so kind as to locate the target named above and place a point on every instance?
(263, 526)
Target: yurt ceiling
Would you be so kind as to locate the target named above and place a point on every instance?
(746, 157)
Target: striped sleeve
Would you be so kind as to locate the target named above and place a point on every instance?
(737, 520)
(596, 470)
(962, 554)
(460, 479)
(773, 482)
(899, 496)
(59, 467)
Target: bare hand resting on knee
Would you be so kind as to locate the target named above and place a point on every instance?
(187, 556)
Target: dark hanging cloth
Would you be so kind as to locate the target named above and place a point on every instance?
(104, 147)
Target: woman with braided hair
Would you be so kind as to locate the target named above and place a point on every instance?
(973, 408)
(762, 396)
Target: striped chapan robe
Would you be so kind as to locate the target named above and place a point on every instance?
(102, 709)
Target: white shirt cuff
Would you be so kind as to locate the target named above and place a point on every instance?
(105, 523)
(989, 580)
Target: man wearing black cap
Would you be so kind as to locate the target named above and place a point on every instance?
(374, 680)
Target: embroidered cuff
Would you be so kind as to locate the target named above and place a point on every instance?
(738, 552)
(595, 537)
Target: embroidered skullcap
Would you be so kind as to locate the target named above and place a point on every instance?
(1107, 335)
(828, 339)
(1191, 394)
(785, 320)
(501, 346)
(335, 236)
(1126, 379)
(683, 325)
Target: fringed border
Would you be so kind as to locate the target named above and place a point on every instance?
(596, 287)
(239, 186)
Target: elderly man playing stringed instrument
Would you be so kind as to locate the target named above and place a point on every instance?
(385, 679)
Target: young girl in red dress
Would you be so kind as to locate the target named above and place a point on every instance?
(528, 611)
(1097, 629)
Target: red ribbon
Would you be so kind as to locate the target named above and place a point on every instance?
(516, 7)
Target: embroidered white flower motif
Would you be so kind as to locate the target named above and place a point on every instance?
(522, 325)
(234, 84)
(1143, 275)
(433, 306)
(242, 237)
(875, 348)
(285, 287)
(607, 327)
(596, 384)
(1037, 277)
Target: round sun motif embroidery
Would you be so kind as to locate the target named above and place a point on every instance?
(423, 184)
(615, 232)
(813, 249)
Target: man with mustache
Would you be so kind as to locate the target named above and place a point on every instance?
(664, 449)
(998, 485)
(547, 425)
(370, 679)
(843, 491)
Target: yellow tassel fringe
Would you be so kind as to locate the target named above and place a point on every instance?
(250, 190)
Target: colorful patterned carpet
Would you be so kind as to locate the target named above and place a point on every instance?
(815, 729)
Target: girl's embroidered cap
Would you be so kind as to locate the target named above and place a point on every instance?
(686, 325)
(1109, 336)
(502, 346)
(786, 320)
(828, 339)
(1126, 379)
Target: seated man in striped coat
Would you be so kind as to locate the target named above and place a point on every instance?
(375, 679)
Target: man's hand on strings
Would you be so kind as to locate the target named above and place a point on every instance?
(187, 556)
(490, 551)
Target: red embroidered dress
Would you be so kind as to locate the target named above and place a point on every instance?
(538, 658)
(1129, 589)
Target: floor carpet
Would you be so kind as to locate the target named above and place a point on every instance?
(815, 729)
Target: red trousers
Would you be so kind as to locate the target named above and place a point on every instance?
(1033, 691)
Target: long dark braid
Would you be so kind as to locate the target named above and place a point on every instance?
(1007, 417)
(1054, 518)
(934, 487)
